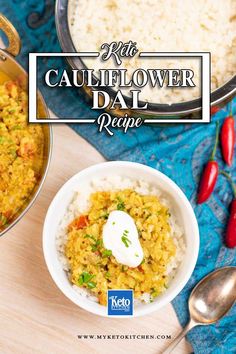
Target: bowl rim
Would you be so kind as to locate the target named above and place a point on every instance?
(84, 303)
(35, 193)
(217, 96)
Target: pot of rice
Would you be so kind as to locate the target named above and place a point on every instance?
(156, 26)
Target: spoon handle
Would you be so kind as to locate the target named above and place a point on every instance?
(176, 341)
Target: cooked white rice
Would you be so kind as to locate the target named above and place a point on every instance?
(80, 205)
(163, 26)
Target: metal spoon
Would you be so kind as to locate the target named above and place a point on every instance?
(210, 300)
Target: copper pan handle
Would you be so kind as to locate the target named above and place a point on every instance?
(12, 35)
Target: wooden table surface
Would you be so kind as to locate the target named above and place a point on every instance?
(35, 317)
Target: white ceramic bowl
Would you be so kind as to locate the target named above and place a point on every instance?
(183, 211)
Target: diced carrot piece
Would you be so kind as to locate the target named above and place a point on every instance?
(27, 148)
(102, 299)
(140, 269)
(12, 89)
(79, 223)
(8, 214)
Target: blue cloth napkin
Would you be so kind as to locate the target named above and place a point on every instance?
(178, 151)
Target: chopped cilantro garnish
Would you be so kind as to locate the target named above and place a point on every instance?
(91, 284)
(125, 239)
(107, 275)
(136, 255)
(85, 277)
(90, 236)
(96, 243)
(121, 204)
(154, 293)
(106, 253)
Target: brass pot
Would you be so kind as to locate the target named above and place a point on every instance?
(12, 70)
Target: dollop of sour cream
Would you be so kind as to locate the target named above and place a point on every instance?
(120, 235)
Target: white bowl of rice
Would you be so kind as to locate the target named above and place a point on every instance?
(178, 237)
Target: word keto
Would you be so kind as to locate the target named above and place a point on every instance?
(120, 302)
(119, 50)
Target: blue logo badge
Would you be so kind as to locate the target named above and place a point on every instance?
(120, 302)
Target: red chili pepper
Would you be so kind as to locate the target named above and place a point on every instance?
(210, 174)
(228, 139)
(214, 109)
(230, 236)
(208, 181)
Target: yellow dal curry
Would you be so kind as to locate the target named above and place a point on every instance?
(21, 152)
(95, 268)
